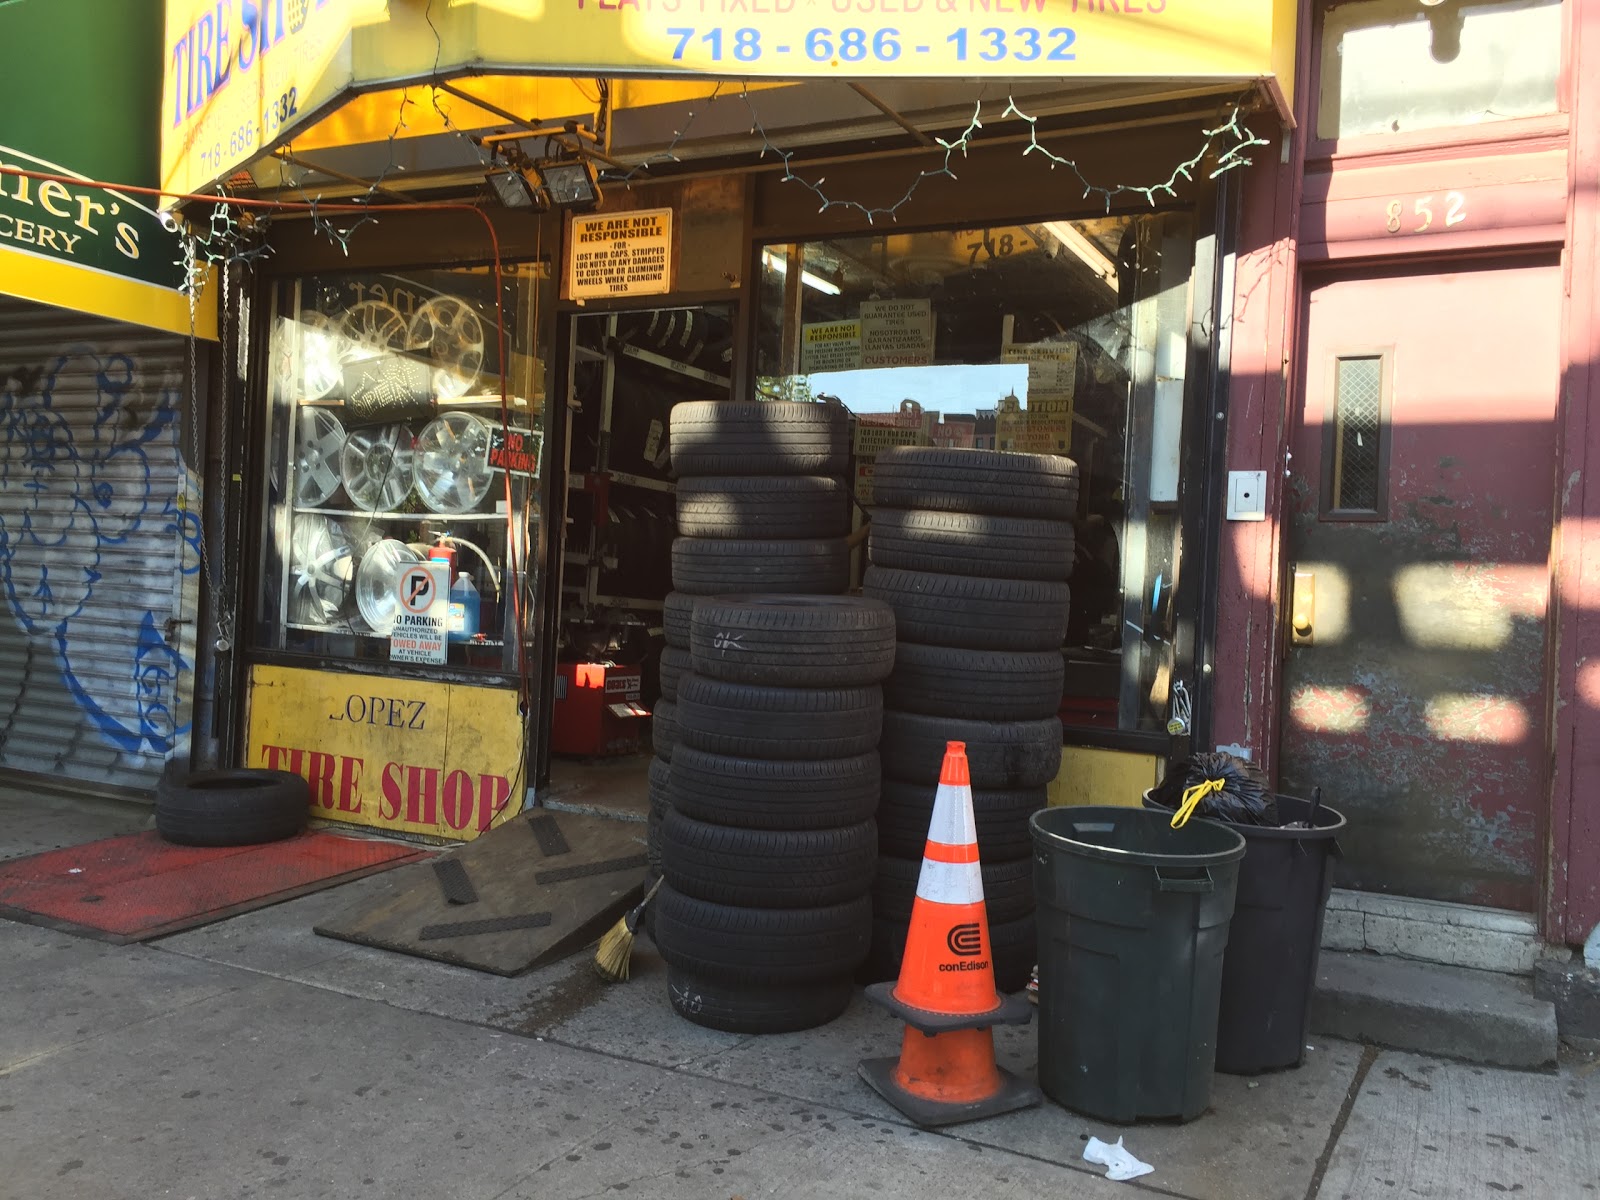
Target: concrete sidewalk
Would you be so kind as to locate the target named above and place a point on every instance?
(255, 1058)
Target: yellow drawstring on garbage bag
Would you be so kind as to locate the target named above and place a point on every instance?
(1192, 796)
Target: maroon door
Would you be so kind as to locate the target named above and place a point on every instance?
(1421, 492)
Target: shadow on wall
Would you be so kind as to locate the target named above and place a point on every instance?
(93, 532)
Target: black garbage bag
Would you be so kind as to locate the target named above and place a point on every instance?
(1234, 790)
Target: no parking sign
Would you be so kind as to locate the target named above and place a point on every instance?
(422, 595)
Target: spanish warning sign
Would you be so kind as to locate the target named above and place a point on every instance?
(620, 254)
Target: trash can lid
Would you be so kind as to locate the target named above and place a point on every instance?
(1134, 835)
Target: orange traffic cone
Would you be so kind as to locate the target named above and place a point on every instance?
(946, 994)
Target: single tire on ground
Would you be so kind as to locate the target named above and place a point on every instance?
(906, 809)
(994, 482)
(750, 1008)
(1000, 754)
(1014, 944)
(1007, 888)
(675, 617)
(664, 729)
(743, 720)
(994, 685)
(971, 544)
(761, 945)
(763, 868)
(242, 807)
(759, 793)
(802, 641)
(720, 437)
(675, 664)
(969, 613)
(716, 567)
(763, 506)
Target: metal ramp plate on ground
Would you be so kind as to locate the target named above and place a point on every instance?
(536, 889)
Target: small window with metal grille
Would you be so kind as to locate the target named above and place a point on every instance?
(1356, 439)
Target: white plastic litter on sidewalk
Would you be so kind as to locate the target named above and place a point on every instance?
(1118, 1162)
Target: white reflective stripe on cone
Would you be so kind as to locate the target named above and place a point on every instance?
(950, 883)
(953, 823)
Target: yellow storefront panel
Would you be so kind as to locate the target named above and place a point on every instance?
(441, 759)
(1093, 776)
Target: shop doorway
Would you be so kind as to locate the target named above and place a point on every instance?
(1419, 542)
(625, 373)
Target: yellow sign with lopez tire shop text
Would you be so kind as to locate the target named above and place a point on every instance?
(443, 759)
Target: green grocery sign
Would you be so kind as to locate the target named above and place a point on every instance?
(85, 226)
(95, 250)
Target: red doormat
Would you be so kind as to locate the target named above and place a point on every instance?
(136, 887)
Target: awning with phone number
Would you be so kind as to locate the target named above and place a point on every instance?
(244, 77)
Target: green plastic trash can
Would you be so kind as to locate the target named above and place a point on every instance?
(1133, 922)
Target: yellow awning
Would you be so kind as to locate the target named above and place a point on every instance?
(246, 76)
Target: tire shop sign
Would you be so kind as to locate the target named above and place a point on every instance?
(620, 254)
(441, 759)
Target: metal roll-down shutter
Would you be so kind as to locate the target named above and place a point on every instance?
(99, 574)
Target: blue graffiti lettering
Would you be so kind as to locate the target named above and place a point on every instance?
(67, 496)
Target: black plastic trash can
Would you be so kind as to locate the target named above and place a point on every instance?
(1271, 966)
(1133, 922)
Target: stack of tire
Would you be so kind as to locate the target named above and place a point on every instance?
(972, 550)
(761, 507)
(768, 845)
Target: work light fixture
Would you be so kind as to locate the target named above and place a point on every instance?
(570, 183)
(513, 188)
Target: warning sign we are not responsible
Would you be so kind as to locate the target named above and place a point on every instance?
(620, 254)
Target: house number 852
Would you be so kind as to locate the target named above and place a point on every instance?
(1455, 212)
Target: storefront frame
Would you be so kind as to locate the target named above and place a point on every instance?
(299, 250)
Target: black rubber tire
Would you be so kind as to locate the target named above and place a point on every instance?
(802, 641)
(675, 664)
(676, 614)
(1007, 888)
(763, 868)
(763, 506)
(749, 1008)
(757, 793)
(1001, 755)
(971, 544)
(664, 729)
(743, 720)
(996, 685)
(652, 873)
(722, 437)
(660, 773)
(652, 841)
(241, 807)
(905, 809)
(715, 567)
(972, 614)
(1015, 945)
(660, 776)
(761, 945)
(994, 482)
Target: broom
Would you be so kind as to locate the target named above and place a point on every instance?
(616, 948)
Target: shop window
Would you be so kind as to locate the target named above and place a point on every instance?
(1057, 337)
(1399, 66)
(386, 449)
(1356, 439)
